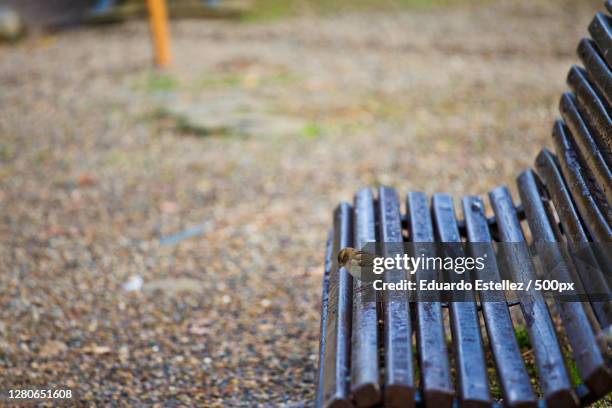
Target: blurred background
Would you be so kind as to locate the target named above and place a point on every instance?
(162, 230)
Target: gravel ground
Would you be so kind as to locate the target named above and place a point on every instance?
(95, 181)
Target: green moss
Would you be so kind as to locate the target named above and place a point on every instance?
(312, 131)
(211, 81)
(573, 371)
(158, 82)
(522, 336)
(532, 370)
(240, 79)
(271, 9)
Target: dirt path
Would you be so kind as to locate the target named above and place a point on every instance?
(97, 177)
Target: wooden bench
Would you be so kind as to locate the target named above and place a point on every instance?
(367, 357)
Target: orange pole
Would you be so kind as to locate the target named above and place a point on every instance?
(158, 14)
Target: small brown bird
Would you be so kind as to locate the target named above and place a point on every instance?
(358, 263)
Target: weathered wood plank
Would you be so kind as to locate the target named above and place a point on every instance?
(586, 352)
(590, 201)
(513, 375)
(337, 345)
(436, 378)
(465, 323)
(589, 151)
(365, 375)
(552, 374)
(595, 109)
(598, 70)
(323, 326)
(399, 370)
(589, 273)
(601, 31)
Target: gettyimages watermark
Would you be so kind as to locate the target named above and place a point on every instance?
(452, 272)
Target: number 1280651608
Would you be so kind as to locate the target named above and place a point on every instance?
(40, 394)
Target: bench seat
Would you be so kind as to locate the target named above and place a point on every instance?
(377, 352)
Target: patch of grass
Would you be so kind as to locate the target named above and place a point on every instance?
(7, 150)
(573, 370)
(125, 162)
(244, 80)
(271, 9)
(211, 81)
(494, 385)
(166, 120)
(605, 402)
(522, 336)
(284, 78)
(312, 131)
(158, 82)
(183, 126)
(532, 370)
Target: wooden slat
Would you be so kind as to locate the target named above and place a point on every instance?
(465, 324)
(589, 273)
(601, 31)
(437, 383)
(554, 259)
(365, 386)
(596, 67)
(337, 345)
(399, 374)
(324, 314)
(595, 109)
(513, 375)
(590, 201)
(593, 159)
(587, 196)
(552, 374)
(548, 169)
